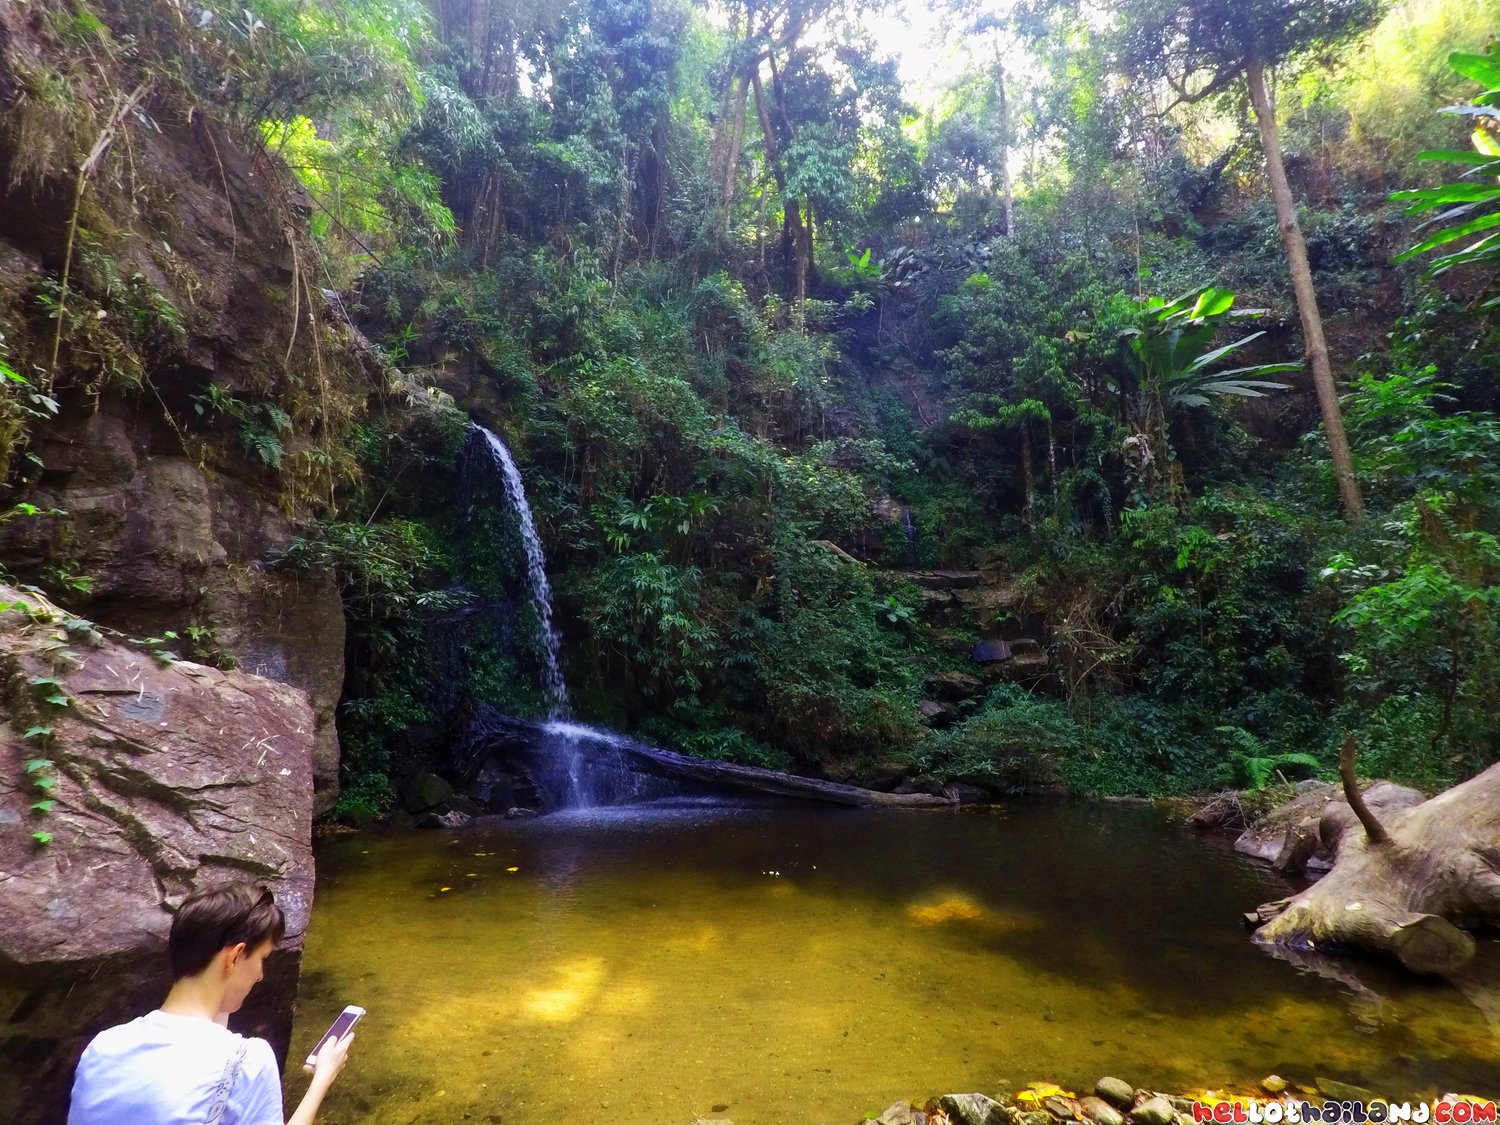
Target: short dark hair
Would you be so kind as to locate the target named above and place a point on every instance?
(216, 918)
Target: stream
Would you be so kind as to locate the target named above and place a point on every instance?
(792, 964)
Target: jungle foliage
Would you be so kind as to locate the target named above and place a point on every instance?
(768, 339)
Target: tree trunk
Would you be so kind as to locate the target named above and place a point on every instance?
(1302, 287)
(1004, 157)
(792, 242)
(1404, 896)
(1028, 477)
(732, 153)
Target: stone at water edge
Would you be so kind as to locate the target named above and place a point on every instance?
(1100, 1112)
(901, 1113)
(1273, 1084)
(1343, 1091)
(425, 791)
(974, 1109)
(450, 819)
(1116, 1091)
(1061, 1108)
(1154, 1111)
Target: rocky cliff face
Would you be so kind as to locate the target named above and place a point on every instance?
(127, 781)
(200, 386)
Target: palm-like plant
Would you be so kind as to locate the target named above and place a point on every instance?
(1469, 206)
(1171, 358)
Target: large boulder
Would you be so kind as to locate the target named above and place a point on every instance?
(166, 777)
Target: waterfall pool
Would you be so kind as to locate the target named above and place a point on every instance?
(789, 964)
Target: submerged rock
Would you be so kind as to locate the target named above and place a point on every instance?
(1343, 1091)
(166, 778)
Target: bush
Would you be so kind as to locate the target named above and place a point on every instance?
(1014, 742)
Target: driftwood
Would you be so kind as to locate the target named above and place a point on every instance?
(493, 733)
(1401, 888)
(707, 771)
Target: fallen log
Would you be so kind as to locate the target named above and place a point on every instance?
(1404, 887)
(708, 771)
(491, 732)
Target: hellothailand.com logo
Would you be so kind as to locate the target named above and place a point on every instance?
(1448, 1110)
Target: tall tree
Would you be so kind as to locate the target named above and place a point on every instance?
(1202, 48)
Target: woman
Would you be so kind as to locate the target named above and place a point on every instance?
(180, 1065)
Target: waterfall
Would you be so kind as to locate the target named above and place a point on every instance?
(536, 573)
(594, 776)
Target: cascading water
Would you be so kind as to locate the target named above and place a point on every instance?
(592, 778)
(536, 573)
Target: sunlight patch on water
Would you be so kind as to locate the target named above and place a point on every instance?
(576, 984)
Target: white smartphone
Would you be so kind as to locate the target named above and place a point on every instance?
(339, 1028)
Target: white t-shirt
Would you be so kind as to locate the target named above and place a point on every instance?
(163, 1069)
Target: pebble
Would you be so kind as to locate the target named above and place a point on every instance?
(1116, 1091)
(1060, 1108)
(1154, 1111)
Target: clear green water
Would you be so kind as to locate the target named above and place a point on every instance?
(810, 965)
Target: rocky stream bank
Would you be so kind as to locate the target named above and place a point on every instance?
(1117, 1102)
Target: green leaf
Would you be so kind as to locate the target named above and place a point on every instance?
(1261, 369)
(43, 806)
(42, 838)
(1484, 69)
(1425, 199)
(58, 699)
(38, 732)
(38, 764)
(44, 783)
(1484, 222)
(1212, 302)
(1245, 388)
(1457, 156)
